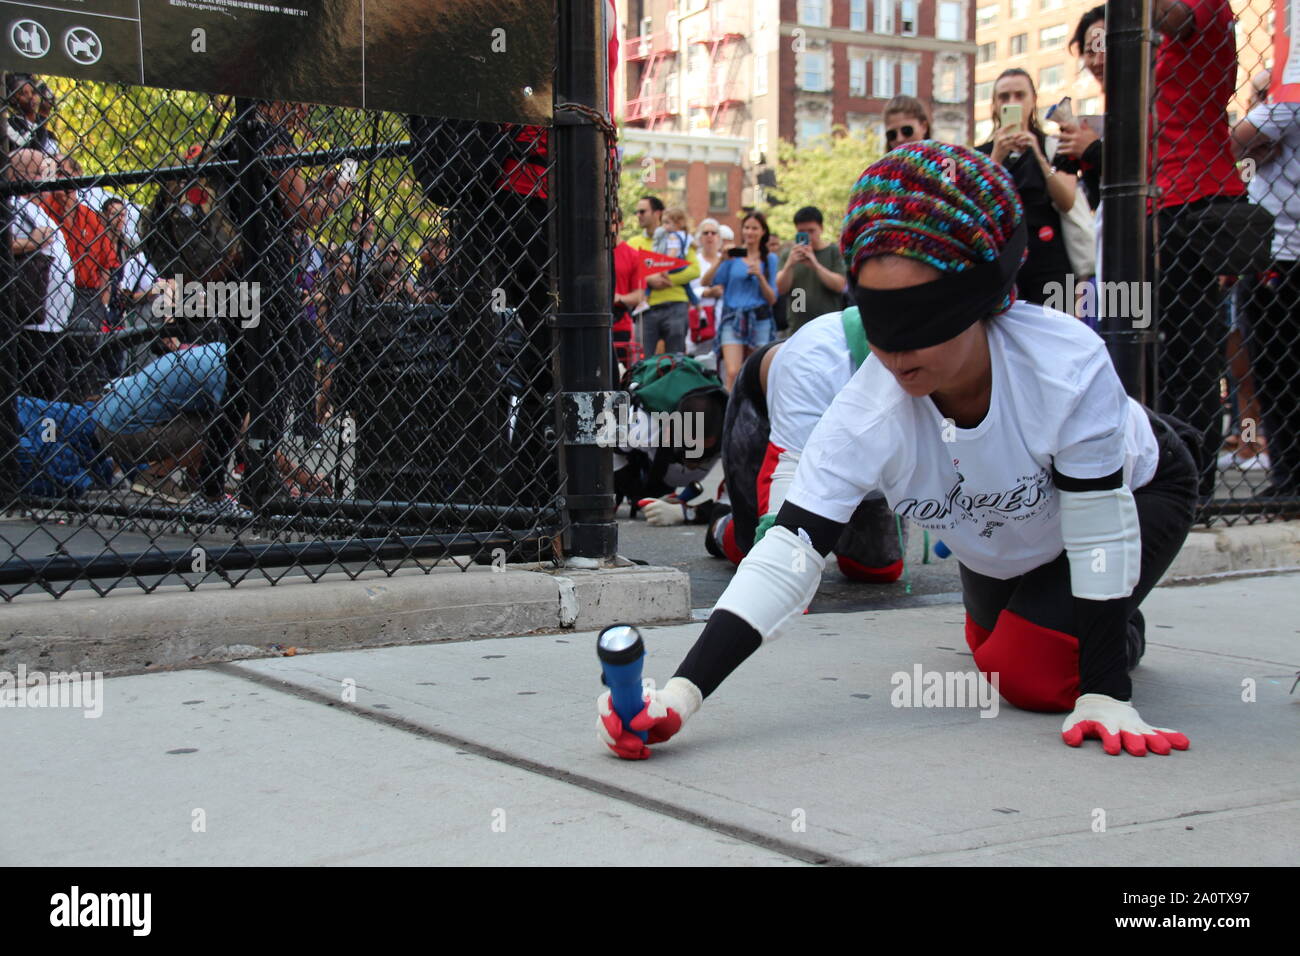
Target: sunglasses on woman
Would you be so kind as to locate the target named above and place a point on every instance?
(892, 134)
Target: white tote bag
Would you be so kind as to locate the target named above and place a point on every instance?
(1078, 229)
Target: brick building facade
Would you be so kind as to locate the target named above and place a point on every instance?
(764, 70)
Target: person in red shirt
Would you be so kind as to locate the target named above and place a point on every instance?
(629, 293)
(1195, 77)
(90, 246)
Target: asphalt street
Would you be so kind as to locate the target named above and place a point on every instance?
(682, 546)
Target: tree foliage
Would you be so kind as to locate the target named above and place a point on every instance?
(633, 183)
(820, 175)
(118, 128)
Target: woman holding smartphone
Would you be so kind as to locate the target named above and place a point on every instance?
(747, 276)
(1080, 144)
(1020, 144)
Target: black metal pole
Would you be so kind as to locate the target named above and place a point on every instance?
(250, 379)
(1125, 190)
(285, 510)
(238, 557)
(12, 326)
(155, 174)
(583, 321)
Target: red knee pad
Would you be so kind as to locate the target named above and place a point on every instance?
(729, 546)
(860, 572)
(975, 635)
(1037, 668)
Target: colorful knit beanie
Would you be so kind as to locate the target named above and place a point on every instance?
(949, 207)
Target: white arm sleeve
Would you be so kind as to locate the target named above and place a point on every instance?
(1103, 542)
(775, 582)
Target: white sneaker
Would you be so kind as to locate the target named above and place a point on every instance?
(1230, 460)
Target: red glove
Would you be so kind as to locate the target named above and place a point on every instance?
(663, 715)
(1118, 725)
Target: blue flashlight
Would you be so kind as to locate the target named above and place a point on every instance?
(621, 652)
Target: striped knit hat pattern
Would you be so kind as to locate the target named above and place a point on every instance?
(950, 207)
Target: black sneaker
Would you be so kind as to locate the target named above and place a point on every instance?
(713, 538)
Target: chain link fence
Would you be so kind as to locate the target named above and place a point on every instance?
(1226, 180)
(257, 339)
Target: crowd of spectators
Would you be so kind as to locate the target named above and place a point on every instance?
(84, 284)
(99, 321)
(1209, 183)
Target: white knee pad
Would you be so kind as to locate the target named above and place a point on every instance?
(775, 582)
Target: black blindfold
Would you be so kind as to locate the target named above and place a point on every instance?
(921, 316)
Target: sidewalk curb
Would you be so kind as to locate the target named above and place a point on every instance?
(130, 633)
(1258, 547)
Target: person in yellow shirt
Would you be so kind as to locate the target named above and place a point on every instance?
(667, 317)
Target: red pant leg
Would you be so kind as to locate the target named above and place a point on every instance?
(1037, 668)
(975, 635)
(729, 546)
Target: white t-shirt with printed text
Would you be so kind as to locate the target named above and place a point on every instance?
(988, 490)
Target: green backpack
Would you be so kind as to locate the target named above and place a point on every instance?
(660, 382)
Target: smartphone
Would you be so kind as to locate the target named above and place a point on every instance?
(801, 239)
(347, 171)
(1012, 115)
(1061, 112)
(739, 253)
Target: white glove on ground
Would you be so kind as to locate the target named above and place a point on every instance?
(662, 512)
(1116, 723)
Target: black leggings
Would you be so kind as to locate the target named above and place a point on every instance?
(1042, 597)
(744, 443)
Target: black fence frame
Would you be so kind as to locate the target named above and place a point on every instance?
(1129, 234)
(583, 527)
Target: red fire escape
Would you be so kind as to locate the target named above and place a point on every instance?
(720, 41)
(651, 106)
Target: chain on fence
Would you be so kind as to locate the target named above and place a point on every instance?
(252, 338)
(1226, 170)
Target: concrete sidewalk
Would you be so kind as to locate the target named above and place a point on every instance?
(484, 752)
